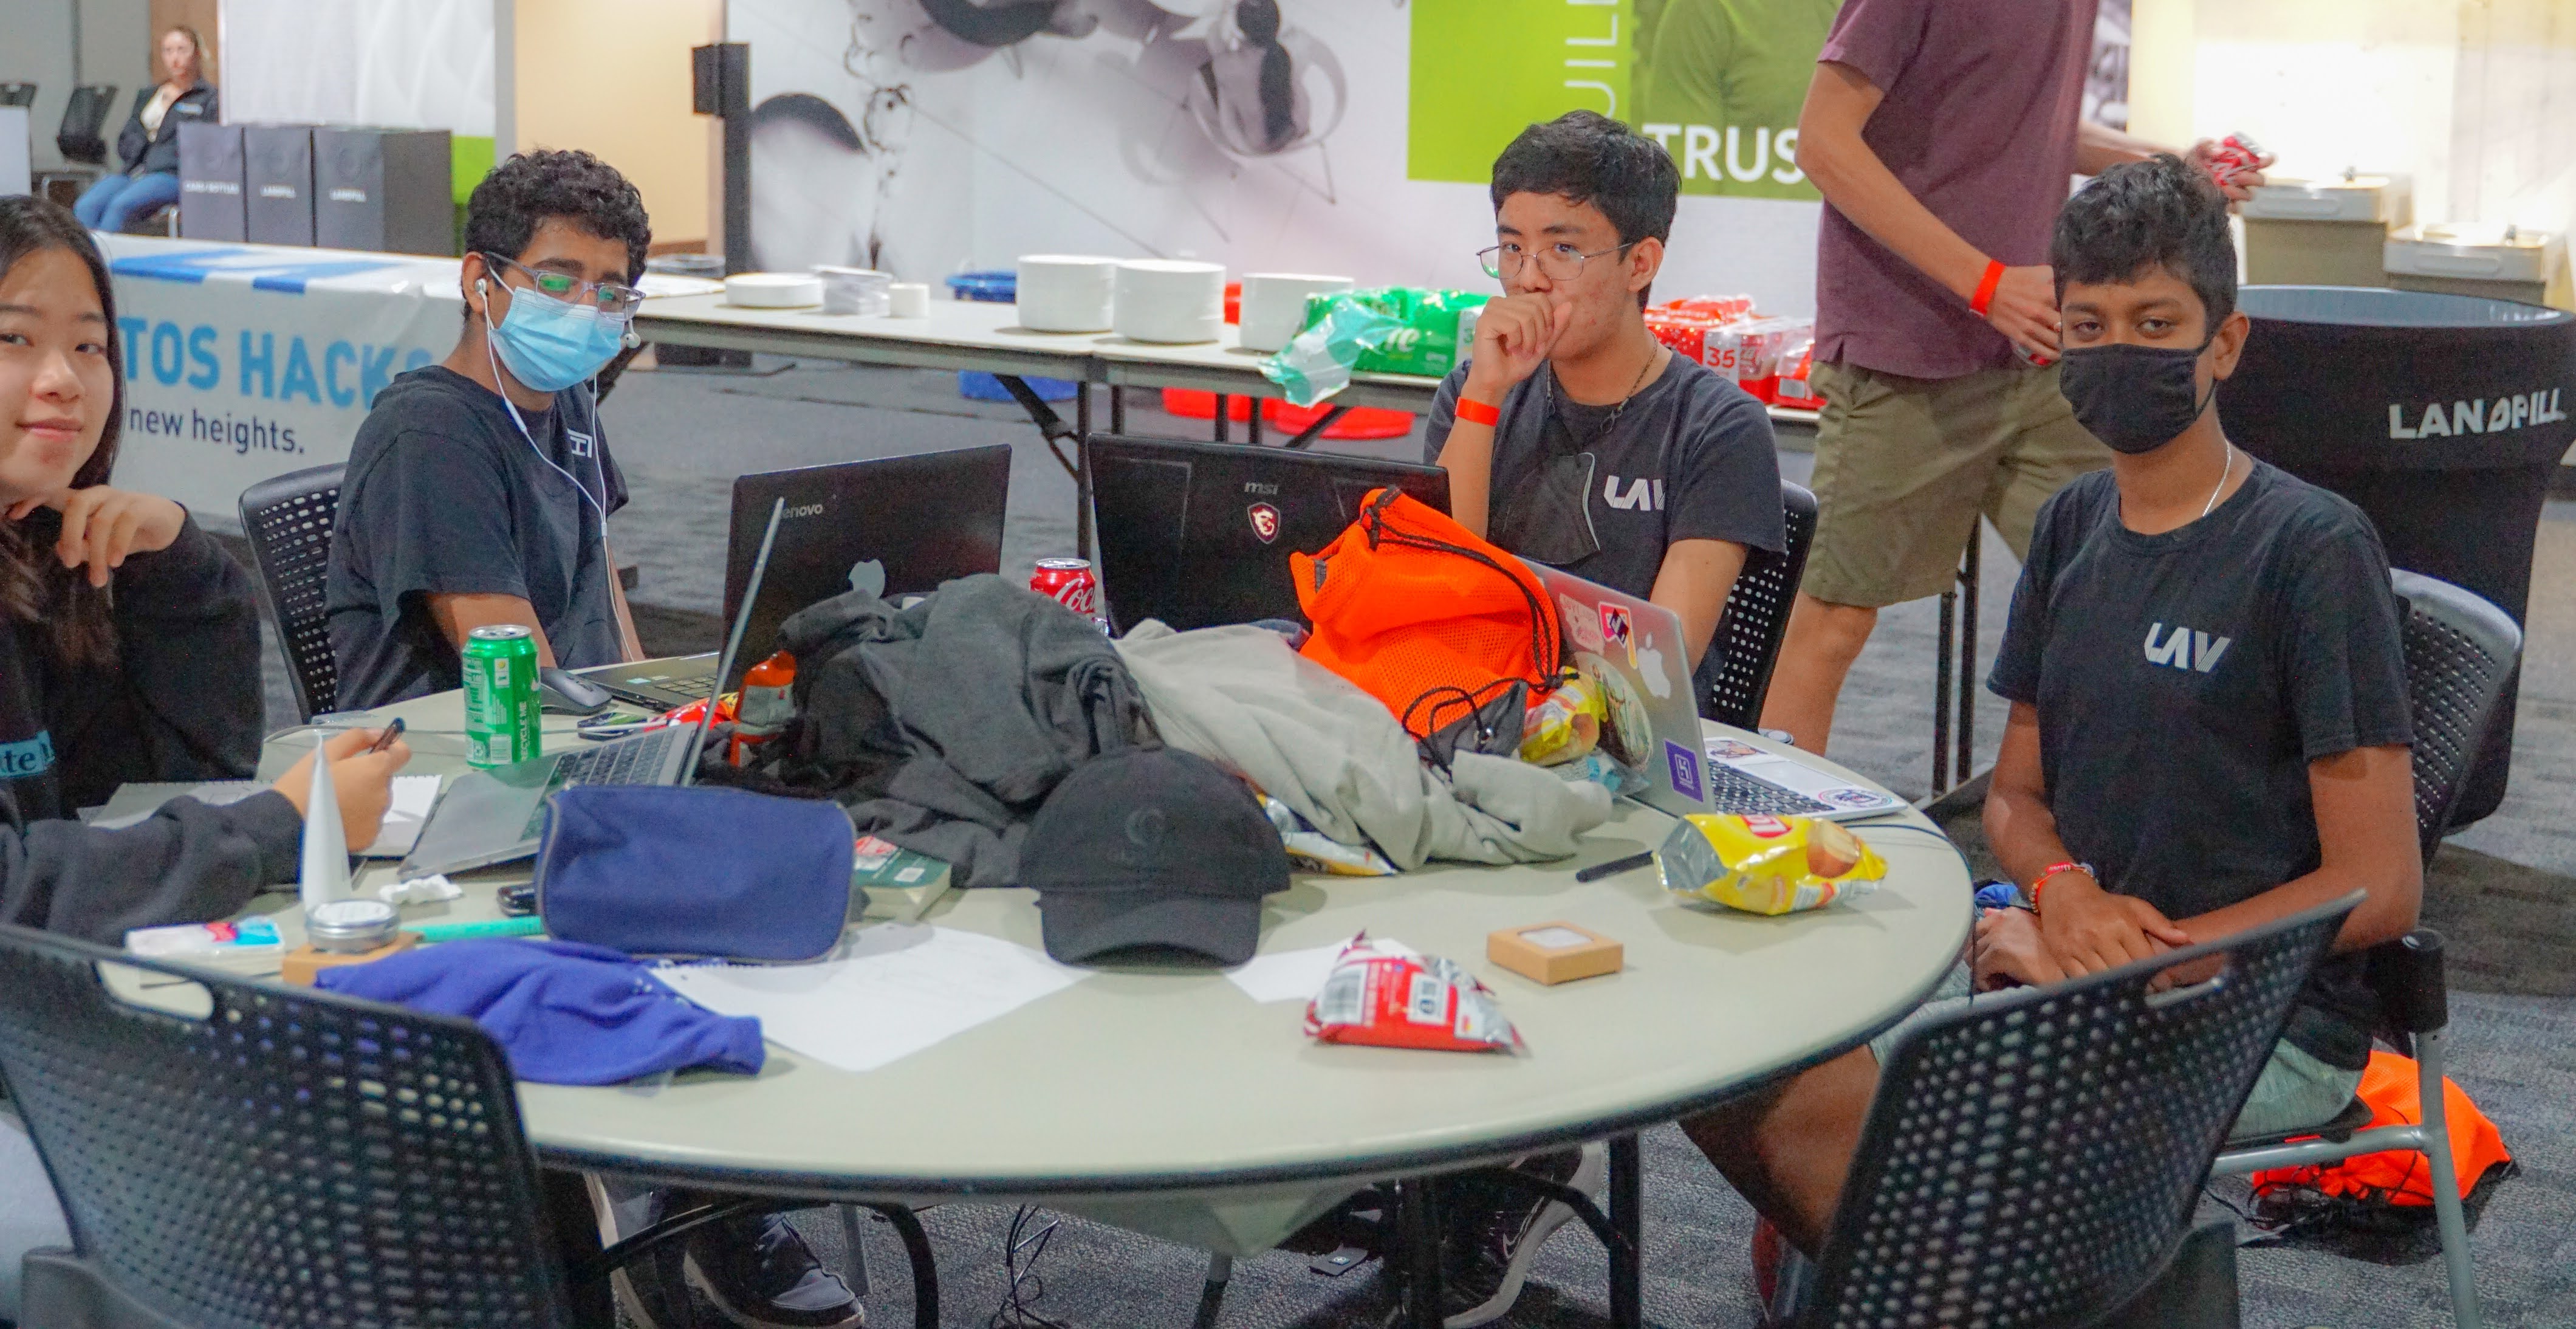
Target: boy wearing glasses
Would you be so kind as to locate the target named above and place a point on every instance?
(479, 488)
(1571, 436)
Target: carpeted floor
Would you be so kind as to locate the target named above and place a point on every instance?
(2504, 892)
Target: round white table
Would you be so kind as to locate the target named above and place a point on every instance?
(1169, 1101)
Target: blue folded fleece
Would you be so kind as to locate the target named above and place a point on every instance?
(563, 1012)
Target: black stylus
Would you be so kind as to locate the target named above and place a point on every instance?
(1614, 867)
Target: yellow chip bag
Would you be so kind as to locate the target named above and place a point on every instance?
(1565, 724)
(1766, 865)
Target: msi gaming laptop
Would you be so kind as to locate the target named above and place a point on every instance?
(1198, 534)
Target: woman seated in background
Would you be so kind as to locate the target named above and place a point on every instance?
(149, 143)
(129, 650)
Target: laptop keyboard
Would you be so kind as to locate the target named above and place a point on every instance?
(1731, 790)
(634, 762)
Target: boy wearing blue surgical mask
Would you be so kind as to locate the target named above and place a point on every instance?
(478, 492)
(479, 488)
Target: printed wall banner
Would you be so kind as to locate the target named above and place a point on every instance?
(244, 362)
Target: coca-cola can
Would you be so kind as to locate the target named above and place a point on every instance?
(1068, 581)
(2236, 155)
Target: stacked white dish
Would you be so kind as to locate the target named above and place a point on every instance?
(1066, 292)
(856, 290)
(1171, 301)
(773, 290)
(1274, 306)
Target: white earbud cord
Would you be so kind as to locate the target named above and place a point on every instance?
(598, 466)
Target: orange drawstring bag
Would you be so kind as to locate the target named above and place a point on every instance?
(2397, 1177)
(1425, 616)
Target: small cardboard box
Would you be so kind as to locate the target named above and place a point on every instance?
(1554, 953)
(305, 961)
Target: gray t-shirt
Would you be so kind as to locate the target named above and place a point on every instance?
(2185, 680)
(1691, 457)
(444, 496)
(1979, 125)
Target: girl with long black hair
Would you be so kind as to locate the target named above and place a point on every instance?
(129, 650)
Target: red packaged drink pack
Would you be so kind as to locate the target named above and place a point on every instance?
(1687, 334)
(1795, 387)
(1385, 996)
(1723, 308)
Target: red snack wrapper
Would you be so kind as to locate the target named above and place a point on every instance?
(1386, 997)
(1795, 387)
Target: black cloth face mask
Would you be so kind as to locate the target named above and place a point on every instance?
(2134, 398)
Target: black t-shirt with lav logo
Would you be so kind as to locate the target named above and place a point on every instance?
(2185, 680)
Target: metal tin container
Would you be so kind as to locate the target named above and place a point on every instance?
(350, 927)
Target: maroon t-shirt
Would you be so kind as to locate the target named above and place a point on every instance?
(1979, 124)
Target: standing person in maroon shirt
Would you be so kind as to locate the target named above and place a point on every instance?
(1943, 135)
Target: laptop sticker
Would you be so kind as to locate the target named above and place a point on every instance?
(1582, 625)
(1265, 521)
(1685, 768)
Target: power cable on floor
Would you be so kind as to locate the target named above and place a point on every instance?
(1021, 1251)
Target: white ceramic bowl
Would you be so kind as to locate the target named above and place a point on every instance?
(773, 290)
(1066, 292)
(1171, 301)
(1274, 305)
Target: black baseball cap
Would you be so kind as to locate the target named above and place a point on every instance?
(1152, 847)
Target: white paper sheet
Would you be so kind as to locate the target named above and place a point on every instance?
(1294, 975)
(894, 990)
(414, 796)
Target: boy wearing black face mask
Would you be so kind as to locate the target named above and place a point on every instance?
(2209, 724)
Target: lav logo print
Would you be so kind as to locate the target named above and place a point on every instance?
(2185, 648)
(1265, 521)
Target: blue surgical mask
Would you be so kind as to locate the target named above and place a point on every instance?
(551, 344)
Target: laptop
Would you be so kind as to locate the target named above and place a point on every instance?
(896, 525)
(1635, 648)
(497, 815)
(1198, 534)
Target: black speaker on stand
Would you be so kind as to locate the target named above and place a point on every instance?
(721, 87)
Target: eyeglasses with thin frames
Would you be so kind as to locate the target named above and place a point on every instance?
(1556, 262)
(607, 297)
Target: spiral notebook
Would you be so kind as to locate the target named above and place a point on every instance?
(891, 991)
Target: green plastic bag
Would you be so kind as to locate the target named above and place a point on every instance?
(1390, 330)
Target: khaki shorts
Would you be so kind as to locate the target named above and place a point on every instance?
(1904, 466)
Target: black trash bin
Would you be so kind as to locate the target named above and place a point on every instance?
(2441, 416)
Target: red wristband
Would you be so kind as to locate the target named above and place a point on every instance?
(1986, 289)
(2051, 872)
(1478, 413)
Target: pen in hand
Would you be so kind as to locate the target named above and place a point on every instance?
(386, 739)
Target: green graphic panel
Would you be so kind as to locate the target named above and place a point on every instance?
(1718, 82)
(1482, 70)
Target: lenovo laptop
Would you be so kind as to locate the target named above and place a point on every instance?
(892, 525)
(1198, 534)
(498, 815)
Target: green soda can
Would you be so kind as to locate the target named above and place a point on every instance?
(501, 725)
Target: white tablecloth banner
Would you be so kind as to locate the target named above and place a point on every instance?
(244, 362)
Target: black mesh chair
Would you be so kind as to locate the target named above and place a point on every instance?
(82, 137)
(272, 1158)
(1735, 675)
(249, 1156)
(2033, 1159)
(2460, 650)
(288, 521)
